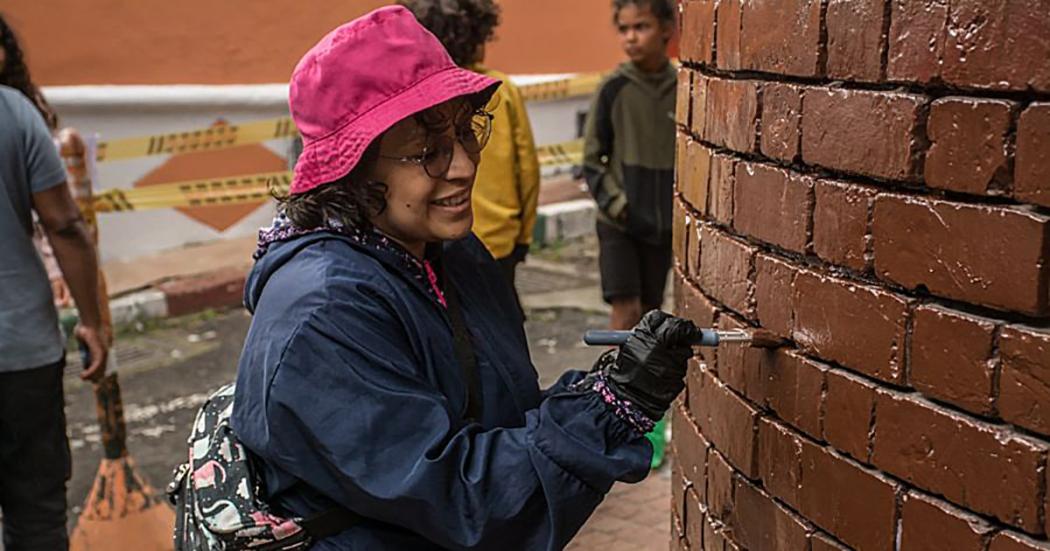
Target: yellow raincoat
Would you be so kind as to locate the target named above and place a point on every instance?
(507, 186)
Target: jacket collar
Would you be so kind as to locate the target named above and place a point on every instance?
(375, 243)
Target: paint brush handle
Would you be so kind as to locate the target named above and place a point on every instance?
(708, 337)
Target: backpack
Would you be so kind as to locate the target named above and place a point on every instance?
(217, 494)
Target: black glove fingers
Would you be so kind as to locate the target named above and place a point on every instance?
(678, 332)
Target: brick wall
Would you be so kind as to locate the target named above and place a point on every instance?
(870, 179)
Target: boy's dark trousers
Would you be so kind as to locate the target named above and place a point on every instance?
(34, 459)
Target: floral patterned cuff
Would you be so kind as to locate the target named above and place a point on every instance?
(624, 409)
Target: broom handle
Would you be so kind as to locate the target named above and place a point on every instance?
(109, 408)
(108, 404)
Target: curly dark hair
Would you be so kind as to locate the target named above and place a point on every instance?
(354, 199)
(664, 10)
(15, 73)
(351, 200)
(462, 26)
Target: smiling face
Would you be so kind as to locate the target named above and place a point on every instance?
(643, 36)
(421, 208)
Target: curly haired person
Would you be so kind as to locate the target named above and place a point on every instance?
(629, 161)
(508, 180)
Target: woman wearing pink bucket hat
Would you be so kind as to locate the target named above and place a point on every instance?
(386, 373)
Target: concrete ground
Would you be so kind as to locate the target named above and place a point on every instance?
(167, 368)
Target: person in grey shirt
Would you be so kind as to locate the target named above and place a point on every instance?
(34, 451)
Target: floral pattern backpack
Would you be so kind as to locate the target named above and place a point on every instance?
(217, 494)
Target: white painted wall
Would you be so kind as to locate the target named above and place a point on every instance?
(114, 112)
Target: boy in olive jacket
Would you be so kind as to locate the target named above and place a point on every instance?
(629, 162)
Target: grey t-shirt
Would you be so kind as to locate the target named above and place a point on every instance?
(29, 163)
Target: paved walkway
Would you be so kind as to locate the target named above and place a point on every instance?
(633, 517)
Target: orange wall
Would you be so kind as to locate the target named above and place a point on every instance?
(259, 41)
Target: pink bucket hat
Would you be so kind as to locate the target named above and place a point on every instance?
(360, 80)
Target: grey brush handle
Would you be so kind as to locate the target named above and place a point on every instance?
(597, 337)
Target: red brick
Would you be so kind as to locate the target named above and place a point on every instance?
(968, 145)
(781, 120)
(678, 539)
(859, 326)
(1024, 387)
(698, 31)
(983, 468)
(719, 486)
(821, 542)
(848, 406)
(855, 39)
(971, 44)
(720, 194)
(693, 381)
(724, 267)
(855, 504)
(916, 41)
(681, 228)
(780, 461)
(781, 37)
(986, 255)
(684, 99)
(219, 289)
(928, 523)
(692, 304)
(1009, 541)
(693, 260)
(714, 540)
(699, 105)
(863, 132)
(760, 524)
(840, 223)
(773, 205)
(728, 422)
(694, 519)
(743, 368)
(690, 448)
(951, 357)
(732, 113)
(774, 279)
(1032, 179)
(679, 485)
(727, 41)
(779, 380)
(681, 148)
(997, 45)
(694, 169)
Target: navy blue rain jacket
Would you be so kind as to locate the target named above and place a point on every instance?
(349, 391)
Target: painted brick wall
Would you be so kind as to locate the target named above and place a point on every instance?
(870, 179)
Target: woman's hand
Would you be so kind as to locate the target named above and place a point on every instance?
(650, 367)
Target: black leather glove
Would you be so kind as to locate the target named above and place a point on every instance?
(650, 367)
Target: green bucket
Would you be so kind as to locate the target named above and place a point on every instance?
(658, 437)
(67, 319)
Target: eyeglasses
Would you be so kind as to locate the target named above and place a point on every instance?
(436, 157)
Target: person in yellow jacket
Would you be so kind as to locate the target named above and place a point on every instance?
(507, 186)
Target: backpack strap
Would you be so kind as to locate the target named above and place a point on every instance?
(468, 362)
